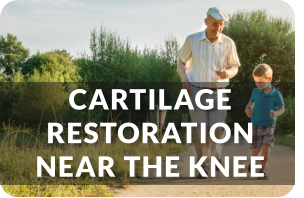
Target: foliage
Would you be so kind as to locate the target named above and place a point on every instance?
(12, 53)
(287, 140)
(43, 98)
(286, 123)
(39, 101)
(3, 77)
(54, 66)
(58, 190)
(114, 60)
(7, 96)
(21, 143)
(260, 38)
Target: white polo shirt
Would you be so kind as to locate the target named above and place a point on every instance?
(205, 58)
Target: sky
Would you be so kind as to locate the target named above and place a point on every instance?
(45, 25)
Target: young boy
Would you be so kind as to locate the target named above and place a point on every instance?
(266, 103)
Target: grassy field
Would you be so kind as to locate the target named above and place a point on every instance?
(18, 146)
(288, 140)
(58, 190)
(21, 148)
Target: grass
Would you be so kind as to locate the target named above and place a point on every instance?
(287, 140)
(18, 146)
(18, 157)
(58, 190)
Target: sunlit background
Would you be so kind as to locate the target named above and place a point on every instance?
(45, 25)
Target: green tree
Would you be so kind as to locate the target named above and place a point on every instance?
(35, 101)
(3, 77)
(43, 98)
(113, 59)
(56, 66)
(12, 53)
(260, 38)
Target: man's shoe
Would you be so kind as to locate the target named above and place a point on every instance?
(201, 176)
(265, 177)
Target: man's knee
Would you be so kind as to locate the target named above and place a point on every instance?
(220, 133)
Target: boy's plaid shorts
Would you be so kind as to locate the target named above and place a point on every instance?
(262, 135)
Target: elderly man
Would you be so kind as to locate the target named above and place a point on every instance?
(213, 60)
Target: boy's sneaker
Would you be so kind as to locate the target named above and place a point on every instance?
(249, 166)
(265, 176)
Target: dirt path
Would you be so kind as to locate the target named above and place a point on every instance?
(280, 168)
(204, 191)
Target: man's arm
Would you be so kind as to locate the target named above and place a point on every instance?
(232, 71)
(181, 68)
(233, 63)
(227, 73)
(249, 109)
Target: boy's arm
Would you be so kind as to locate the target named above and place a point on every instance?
(281, 109)
(249, 109)
(279, 112)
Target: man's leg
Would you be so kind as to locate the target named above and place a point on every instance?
(217, 116)
(201, 148)
(199, 116)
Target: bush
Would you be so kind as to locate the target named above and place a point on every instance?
(113, 59)
(54, 66)
(260, 38)
(286, 122)
(115, 62)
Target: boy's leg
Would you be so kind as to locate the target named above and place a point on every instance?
(265, 154)
(256, 144)
(268, 143)
(255, 151)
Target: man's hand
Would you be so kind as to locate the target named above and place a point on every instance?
(187, 85)
(223, 74)
(272, 114)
